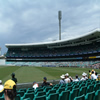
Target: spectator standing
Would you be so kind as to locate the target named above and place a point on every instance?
(45, 83)
(67, 80)
(62, 79)
(13, 78)
(1, 86)
(9, 90)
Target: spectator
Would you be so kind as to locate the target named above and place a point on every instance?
(98, 79)
(9, 90)
(1, 86)
(77, 79)
(35, 85)
(13, 78)
(45, 83)
(71, 79)
(62, 79)
(67, 80)
(96, 74)
(86, 76)
(89, 75)
(93, 71)
(93, 76)
(83, 77)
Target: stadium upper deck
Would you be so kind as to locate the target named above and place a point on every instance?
(82, 48)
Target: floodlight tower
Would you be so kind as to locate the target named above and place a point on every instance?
(59, 18)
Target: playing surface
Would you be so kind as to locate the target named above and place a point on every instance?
(30, 74)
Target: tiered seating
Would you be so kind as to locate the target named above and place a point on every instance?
(46, 52)
(48, 64)
(70, 91)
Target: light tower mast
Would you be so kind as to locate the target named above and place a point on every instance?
(59, 18)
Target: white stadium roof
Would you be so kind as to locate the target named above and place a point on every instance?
(86, 39)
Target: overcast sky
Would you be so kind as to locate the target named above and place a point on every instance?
(32, 21)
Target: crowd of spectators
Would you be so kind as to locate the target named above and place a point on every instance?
(67, 79)
(54, 52)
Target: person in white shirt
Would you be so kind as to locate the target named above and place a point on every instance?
(83, 77)
(35, 85)
(96, 75)
(93, 76)
(77, 79)
(67, 80)
(1, 86)
(86, 76)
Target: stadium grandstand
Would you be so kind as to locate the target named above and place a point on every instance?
(79, 52)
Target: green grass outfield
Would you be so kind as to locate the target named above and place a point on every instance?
(30, 74)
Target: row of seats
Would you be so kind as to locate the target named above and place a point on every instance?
(65, 95)
(69, 91)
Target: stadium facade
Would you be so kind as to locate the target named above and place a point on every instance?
(83, 49)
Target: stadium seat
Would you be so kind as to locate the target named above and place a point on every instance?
(18, 97)
(88, 83)
(69, 88)
(60, 90)
(62, 85)
(97, 95)
(38, 90)
(74, 93)
(24, 89)
(53, 96)
(40, 87)
(41, 93)
(27, 99)
(40, 98)
(55, 87)
(2, 98)
(75, 86)
(97, 81)
(1, 94)
(50, 92)
(47, 89)
(30, 91)
(28, 95)
(82, 97)
(81, 85)
(93, 82)
(90, 88)
(82, 90)
(64, 95)
(21, 93)
(90, 96)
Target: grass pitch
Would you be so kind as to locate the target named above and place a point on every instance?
(30, 74)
